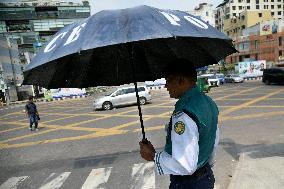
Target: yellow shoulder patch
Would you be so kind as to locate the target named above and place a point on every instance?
(179, 127)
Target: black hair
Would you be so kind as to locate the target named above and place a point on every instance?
(31, 97)
(182, 67)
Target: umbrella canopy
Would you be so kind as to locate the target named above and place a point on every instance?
(99, 50)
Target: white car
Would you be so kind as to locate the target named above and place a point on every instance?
(122, 96)
(234, 78)
(213, 80)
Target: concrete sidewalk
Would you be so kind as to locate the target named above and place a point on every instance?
(258, 173)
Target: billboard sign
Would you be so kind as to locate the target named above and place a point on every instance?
(251, 68)
(269, 27)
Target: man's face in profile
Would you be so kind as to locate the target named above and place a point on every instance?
(175, 84)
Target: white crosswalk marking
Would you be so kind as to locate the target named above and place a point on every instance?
(143, 175)
(55, 182)
(97, 178)
(13, 182)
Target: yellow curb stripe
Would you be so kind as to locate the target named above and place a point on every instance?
(227, 111)
(90, 129)
(235, 94)
(135, 122)
(15, 123)
(14, 113)
(69, 126)
(250, 116)
(13, 129)
(153, 128)
(265, 106)
(89, 136)
(58, 119)
(235, 99)
(63, 107)
(26, 136)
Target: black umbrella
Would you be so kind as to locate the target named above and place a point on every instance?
(115, 47)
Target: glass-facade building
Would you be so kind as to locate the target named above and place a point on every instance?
(11, 71)
(30, 25)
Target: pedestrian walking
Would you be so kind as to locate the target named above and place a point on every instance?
(32, 113)
(192, 132)
(1, 102)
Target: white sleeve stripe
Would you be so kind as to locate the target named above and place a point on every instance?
(158, 163)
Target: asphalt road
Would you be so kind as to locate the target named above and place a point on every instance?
(77, 147)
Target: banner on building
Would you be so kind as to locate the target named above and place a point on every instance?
(269, 27)
(251, 68)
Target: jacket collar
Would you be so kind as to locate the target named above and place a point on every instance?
(188, 94)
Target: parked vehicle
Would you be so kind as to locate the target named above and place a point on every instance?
(213, 81)
(202, 84)
(234, 78)
(122, 96)
(221, 78)
(273, 75)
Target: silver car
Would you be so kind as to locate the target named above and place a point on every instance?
(122, 96)
(234, 78)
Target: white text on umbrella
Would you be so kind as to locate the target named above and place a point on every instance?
(49, 46)
(75, 34)
(196, 22)
(174, 20)
(72, 37)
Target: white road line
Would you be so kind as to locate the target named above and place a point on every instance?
(143, 175)
(56, 182)
(13, 182)
(97, 178)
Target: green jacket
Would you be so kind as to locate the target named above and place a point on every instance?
(203, 110)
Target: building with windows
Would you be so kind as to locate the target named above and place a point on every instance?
(233, 27)
(264, 41)
(32, 22)
(231, 9)
(205, 12)
(11, 70)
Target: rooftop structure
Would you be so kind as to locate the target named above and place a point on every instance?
(205, 12)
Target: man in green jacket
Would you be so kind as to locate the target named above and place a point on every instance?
(192, 132)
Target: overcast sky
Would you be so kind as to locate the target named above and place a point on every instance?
(98, 5)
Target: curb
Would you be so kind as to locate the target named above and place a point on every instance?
(43, 100)
(258, 173)
(237, 173)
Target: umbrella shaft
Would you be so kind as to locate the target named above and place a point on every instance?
(139, 109)
(130, 51)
